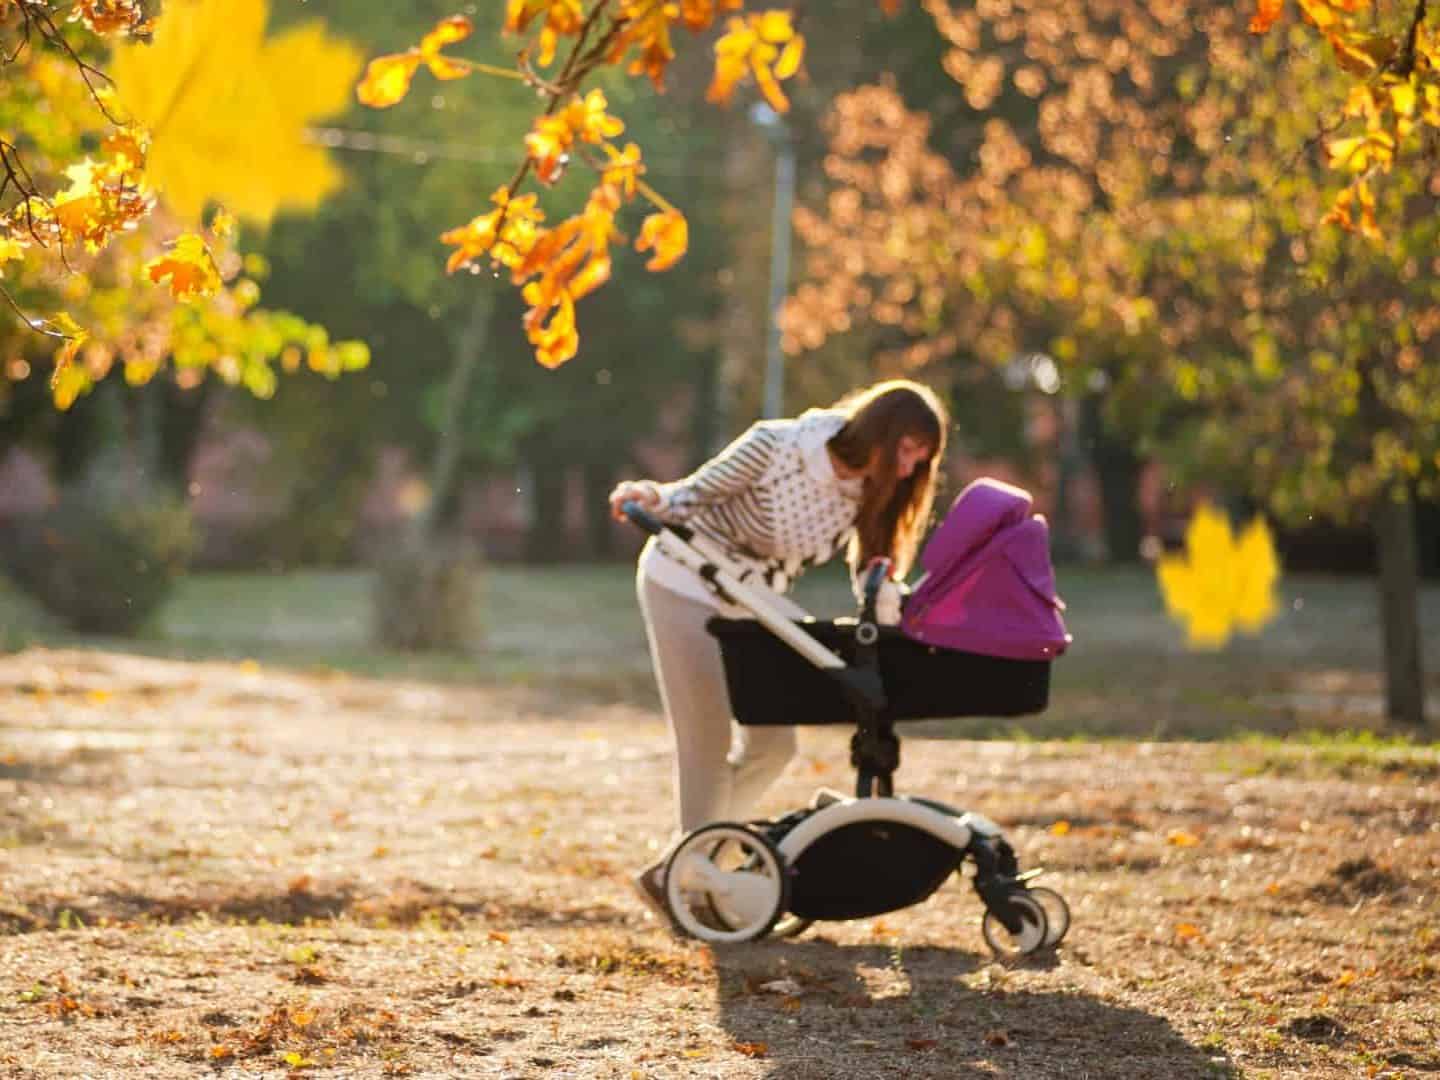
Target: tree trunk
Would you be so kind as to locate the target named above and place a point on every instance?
(599, 478)
(546, 540)
(180, 419)
(1117, 471)
(469, 346)
(1399, 609)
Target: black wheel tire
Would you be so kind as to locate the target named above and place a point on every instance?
(1035, 927)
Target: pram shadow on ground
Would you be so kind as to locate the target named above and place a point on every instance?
(818, 1010)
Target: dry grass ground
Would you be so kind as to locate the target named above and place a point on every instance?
(215, 867)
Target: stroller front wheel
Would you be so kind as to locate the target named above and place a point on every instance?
(1057, 913)
(1034, 928)
(726, 883)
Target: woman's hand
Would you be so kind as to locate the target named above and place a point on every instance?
(640, 491)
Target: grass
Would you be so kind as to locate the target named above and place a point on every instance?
(577, 629)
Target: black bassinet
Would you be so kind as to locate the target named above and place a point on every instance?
(771, 684)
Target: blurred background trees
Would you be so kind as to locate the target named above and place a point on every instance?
(1097, 230)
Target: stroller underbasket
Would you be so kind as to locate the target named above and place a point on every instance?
(771, 684)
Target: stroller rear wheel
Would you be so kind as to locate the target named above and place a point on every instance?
(1034, 928)
(725, 883)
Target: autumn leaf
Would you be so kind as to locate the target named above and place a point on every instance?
(560, 17)
(1219, 586)
(1188, 932)
(1265, 16)
(508, 233)
(110, 16)
(1181, 838)
(222, 224)
(583, 119)
(11, 249)
(1060, 828)
(764, 46)
(227, 108)
(387, 78)
(752, 1049)
(624, 169)
(189, 266)
(668, 235)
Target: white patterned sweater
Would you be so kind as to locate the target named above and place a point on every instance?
(770, 499)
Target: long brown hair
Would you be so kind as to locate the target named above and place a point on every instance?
(893, 511)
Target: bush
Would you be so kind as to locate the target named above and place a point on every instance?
(103, 564)
(425, 595)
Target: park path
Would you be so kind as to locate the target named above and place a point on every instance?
(209, 866)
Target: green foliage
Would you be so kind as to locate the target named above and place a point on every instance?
(103, 564)
(426, 593)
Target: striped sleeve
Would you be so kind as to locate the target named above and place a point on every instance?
(734, 470)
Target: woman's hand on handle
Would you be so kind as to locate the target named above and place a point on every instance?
(639, 491)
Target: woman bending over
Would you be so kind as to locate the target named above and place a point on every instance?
(784, 496)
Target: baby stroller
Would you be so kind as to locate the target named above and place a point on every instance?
(976, 639)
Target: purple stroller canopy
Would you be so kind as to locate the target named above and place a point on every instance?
(989, 586)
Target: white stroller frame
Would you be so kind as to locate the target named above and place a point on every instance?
(839, 858)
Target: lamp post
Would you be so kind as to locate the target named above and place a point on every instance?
(776, 130)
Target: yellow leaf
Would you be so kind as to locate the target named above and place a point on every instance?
(1258, 569)
(1188, 931)
(227, 109)
(387, 80)
(1181, 838)
(1404, 97)
(222, 224)
(1060, 828)
(1220, 585)
(10, 250)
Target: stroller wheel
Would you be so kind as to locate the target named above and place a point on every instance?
(725, 883)
(1034, 928)
(1057, 913)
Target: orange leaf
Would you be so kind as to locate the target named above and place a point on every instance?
(1188, 931)
(669, 234)
(1265, 16)
(445, 32)
(189, 266)
(387, 79)
(1060, 828)
(752, 1049)
(1181, 838)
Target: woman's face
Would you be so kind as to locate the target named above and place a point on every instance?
(910, 454)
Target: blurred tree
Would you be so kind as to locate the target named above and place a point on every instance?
(81, 235)
(1156, 217)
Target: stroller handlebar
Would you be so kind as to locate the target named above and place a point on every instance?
(876, 575)
(642, 518)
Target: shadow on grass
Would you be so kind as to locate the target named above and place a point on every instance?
(815, 1010)
(406, 906)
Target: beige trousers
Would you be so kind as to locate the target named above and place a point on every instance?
(721, 768)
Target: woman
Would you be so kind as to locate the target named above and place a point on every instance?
(786, 495)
